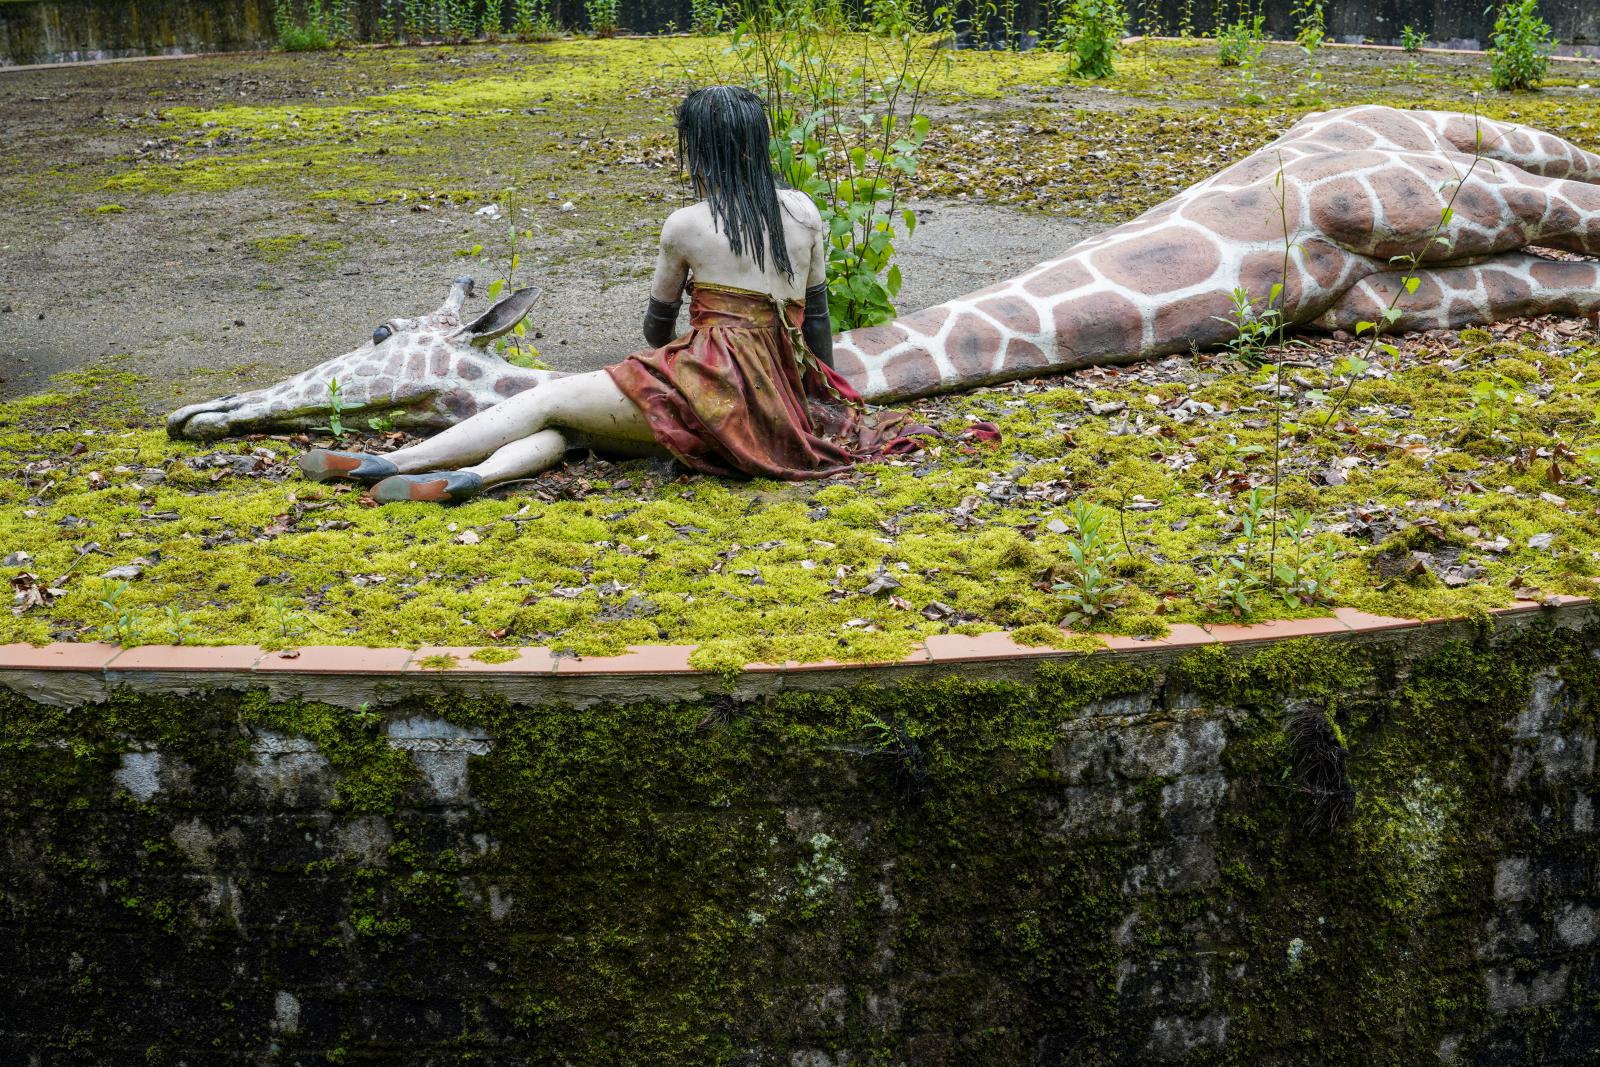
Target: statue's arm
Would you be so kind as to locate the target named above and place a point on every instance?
(666, 291)
(818, 326)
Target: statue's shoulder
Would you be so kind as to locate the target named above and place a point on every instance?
(800, 207)
(687, 221)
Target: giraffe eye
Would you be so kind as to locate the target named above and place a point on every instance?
(381, 334)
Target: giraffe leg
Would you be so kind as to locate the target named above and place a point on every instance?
(1534, 151)
(1448, 298)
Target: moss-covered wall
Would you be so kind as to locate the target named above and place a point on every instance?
(1118, 861)
(57, 31)
(53, 31)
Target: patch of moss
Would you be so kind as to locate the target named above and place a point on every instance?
(766, 572)
(440, 662)
(494, 655)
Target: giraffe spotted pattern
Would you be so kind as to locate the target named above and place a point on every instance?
(1358, 186)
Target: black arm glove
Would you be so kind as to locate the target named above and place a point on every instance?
(661, 322)
(818, 327)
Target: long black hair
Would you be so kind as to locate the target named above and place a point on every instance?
(722, 142)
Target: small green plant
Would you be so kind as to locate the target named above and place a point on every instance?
(1304, 577)
(126, 627)
(896, 744)
(706, 17)
(1090, 588)
(523, 15)
(1413, 39)
(1492, 406)
(1091, 30)
(366, 718)
(1310, 32)
(602, 17)
(1234, 584)
(286, 619)
(1520, 46)
(380, 423)
(335, 409)
(459, 22)
(1311, 26)
(1240, 43)
(514, 347)
(316, 26)
(179, 624)
(418, 19)
(1256, 327)
(490, 21)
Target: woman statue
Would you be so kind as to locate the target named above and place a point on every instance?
(749, 390)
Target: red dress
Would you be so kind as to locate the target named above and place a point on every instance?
(741, 394)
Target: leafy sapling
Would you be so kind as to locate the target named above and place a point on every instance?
(335, 409)
(1520, 46)
(1305, 577)
(1091, 31)
(289, 622)
(1089, 588)
(126, 627)
(1233, 584)
(179, 624)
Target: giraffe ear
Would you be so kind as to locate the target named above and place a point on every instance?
(505, 314)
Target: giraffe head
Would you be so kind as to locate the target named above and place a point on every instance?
(423, 372)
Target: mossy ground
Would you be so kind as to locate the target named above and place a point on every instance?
(600, 556)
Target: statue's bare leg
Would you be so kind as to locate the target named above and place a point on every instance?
(518, 437)
(589, 405)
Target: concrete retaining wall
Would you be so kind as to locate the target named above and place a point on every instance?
(54, 31)
(1372, 845)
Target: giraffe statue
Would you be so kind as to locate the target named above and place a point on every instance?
(1322, 212)
(1358, 186)
(423, 373)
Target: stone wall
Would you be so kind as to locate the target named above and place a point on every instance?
(62, 31)
(1453, 23)
(1376, 850)
(54, 31)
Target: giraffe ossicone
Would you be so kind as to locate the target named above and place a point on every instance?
(1323, 212)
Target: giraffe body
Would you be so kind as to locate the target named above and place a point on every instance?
(1322, 211)
(1358, 186)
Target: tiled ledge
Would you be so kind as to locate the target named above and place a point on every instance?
(239, 662)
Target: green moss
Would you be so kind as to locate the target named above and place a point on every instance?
(110, 209)
(439, 663)
(494, 655)
(794, 588)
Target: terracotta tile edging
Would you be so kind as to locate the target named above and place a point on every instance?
(673, 660)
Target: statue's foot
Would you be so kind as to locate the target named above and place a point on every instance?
(440, 487)
(326, 465)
